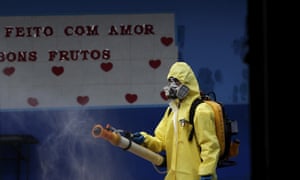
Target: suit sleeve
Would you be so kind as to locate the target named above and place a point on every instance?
(157, 142)
(207, 139)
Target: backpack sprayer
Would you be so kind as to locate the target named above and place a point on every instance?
(123, 140)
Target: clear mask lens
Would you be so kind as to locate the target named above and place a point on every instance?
(171, 90)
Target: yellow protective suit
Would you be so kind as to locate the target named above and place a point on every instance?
(186, 160)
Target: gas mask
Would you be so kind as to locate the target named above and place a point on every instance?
(175, 89)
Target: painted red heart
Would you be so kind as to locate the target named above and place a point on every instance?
(163, 95)
(131, 98)
(57, 70)
(83, 100)
(154, 63)
(8, 71)
(106, 66)
(32, 101)
(166, 40)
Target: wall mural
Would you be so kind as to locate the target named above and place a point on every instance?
(91, 60)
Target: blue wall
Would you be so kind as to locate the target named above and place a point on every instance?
(210, 40)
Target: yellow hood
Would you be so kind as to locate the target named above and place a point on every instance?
(184, 73)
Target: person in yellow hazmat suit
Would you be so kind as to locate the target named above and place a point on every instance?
(185, 160)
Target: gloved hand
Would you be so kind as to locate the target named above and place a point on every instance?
(138, 138)
(209, 177)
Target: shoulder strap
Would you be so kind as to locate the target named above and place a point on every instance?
(191, 116)
(169, 111)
